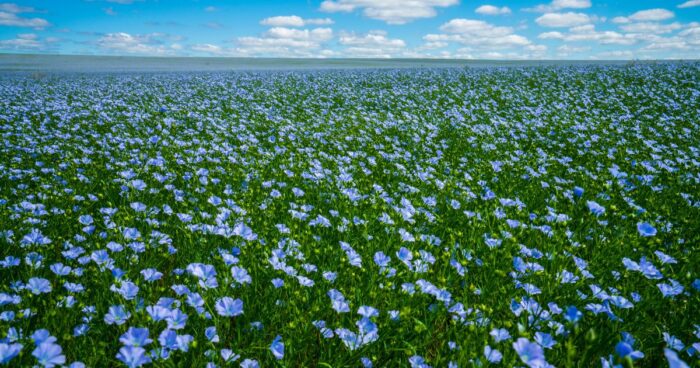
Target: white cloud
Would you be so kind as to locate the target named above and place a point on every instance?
(648, 15)
(14, 8)
(689, 4)
(149, 44)
(655, 40)
(531, 52)
(559, 20)
(691, 34)
(691, 38)
(589, 33)
(620, 20)
(495, 55)
(617, 54)
(651, 27)
(29, 42)
(567, 50)
(477, 33)
(433, 45)
(557, 5)
(578, 4)
(652, 15)
(673, 43)
(211, 9)
(474, 27)
(11, 19)
(109, 11)
(373, 44)
(313, 35)
(373, 38)
(208, 48)
(683, 45)
(294, 21)
(25, 41)
(390, 11)
(493, 10)
(282, 41)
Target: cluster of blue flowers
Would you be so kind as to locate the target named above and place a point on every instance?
(449, 217)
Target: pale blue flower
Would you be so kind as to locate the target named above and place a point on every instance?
(133, 356)
(595, 208)
(673, 360)
(499, 334)
(49, 354)
(645, 229)
(545, 340)
(530, 353)
(37, 285)
(277, 348)
(624, 349)
(135, 337)
(228, 307)
(116, 315)
(670, 290)
(249, 363)
(9, 351)
(492, 355)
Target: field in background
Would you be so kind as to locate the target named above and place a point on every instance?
(87, 63)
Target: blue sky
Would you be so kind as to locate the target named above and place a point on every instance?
(464, 29)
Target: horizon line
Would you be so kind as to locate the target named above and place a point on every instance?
(5, 54)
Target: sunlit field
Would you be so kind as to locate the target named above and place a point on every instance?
(456, 217)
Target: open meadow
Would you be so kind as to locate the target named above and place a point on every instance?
(423, 217)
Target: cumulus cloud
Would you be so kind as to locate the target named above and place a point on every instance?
(284, 38)
(9, 17)
(470, 27)
(374, 44)
(651, 27)
(208, 48)
(568, 50)
(315, 35)
(589, 33)
(687, 42)
(692, 34)
(663, 44)
(294, 21)
(529, 52)
(646, 16)
(433, 45)
(29, 42)
(689, 4)
(652, 15)
(557, 5)
(620, 20)
(513, 55)
(15, 9)
(23, 42)
(390, 11)
(479, 39)
(148, 44)
(615, 55)
(283, 41)
(492, 10)
(559, 20)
